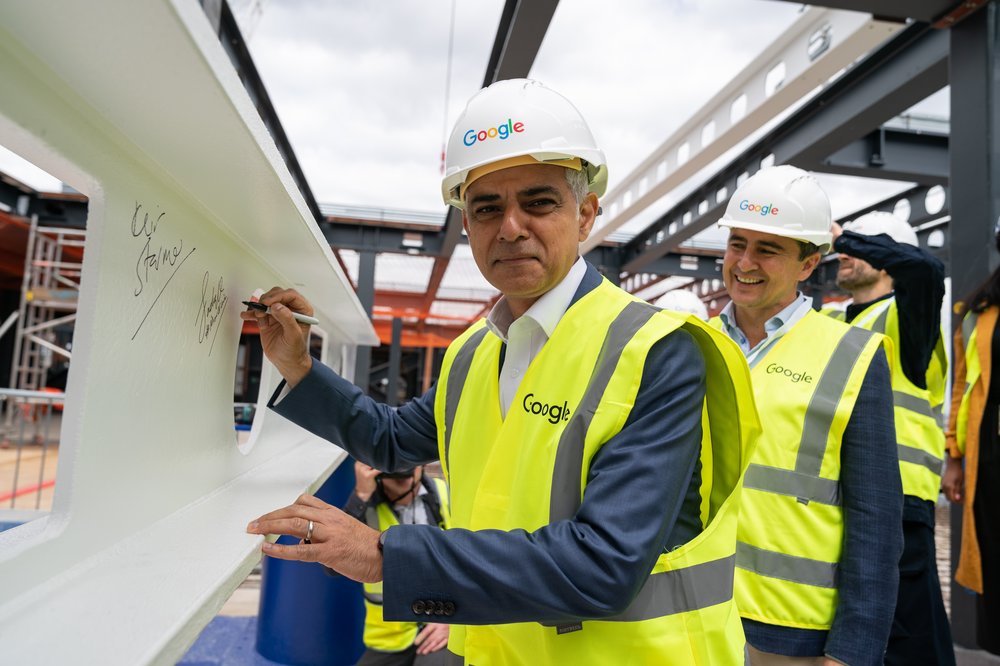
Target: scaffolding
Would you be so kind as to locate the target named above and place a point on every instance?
(50, 290)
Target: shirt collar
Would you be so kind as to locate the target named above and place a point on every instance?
(546, 311)
(788, 315)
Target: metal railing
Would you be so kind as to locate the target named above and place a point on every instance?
(29, 448)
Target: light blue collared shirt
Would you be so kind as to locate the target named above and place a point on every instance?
(774, 327)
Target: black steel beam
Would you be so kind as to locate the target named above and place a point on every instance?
(901, 73)
(916, 204)
(893, 154)
(701, 266)
(919, 10)
(975, 170)
(374, 238)
(14, 195)
(522, 27)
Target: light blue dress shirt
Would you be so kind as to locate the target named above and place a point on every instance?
(774, 327)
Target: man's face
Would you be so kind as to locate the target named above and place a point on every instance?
(855, 273)
(525, 227)
(762, 271)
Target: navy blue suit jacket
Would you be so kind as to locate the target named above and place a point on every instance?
(641, 498)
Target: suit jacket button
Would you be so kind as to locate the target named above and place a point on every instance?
(429, 607)
(418, 607)
(449, 608)
(439, 608)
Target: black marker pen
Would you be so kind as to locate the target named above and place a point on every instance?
(305, 319)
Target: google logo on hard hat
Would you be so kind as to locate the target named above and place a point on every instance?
(500, 131)
(763, 209)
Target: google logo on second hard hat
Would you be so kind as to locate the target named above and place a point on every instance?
(500, 131)
(763, 209)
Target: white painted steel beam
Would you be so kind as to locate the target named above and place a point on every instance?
(817, 46)
(136, 105)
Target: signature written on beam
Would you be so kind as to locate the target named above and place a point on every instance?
(156, 260)
(213, 305)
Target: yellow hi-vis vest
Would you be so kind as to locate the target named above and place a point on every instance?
(530, 469)
(917, 411)
(380, 634)
(791, 525)
(973, 371)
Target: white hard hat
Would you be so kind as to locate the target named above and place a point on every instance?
(785, 201)
(519, 118)
(682, 300)
(877, 222)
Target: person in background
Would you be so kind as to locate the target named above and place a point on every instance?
(820, 522)
(381, 500)
(593, 444)
(972, 474)
(897, 290)
(683, 300)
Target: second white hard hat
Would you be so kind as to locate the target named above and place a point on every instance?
(878, 222)
(517, 121)
(682, 300)
(785, 201)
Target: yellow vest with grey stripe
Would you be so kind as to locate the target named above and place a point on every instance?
(917, 411)
(380, 634)
(973, 372)
(791, 528)
(530, 469)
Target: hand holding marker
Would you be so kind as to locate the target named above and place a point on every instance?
(301, 318)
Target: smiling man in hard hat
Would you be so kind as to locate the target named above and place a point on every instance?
(819, 534)
(897, 289)
(592, 443)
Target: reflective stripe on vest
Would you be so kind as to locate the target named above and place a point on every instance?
(973, 375)
(671, 592)
(804, 482)
(565, 495)
(917, 406)
(786, 567)
(456, 382)
(918, 412)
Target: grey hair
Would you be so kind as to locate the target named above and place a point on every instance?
(579, 183)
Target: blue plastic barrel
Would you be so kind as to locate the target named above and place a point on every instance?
(308, 617)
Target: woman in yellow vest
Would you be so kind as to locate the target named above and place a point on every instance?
(972, 475)
(381, 500)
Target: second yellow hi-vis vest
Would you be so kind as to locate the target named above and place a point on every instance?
(918, 412)
(973, 372)
(529, 469)
(791, 528)
(381, 634)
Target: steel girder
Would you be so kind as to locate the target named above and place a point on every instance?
(975, 169)
(892, 154)
(927, 11)
(901, 73)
